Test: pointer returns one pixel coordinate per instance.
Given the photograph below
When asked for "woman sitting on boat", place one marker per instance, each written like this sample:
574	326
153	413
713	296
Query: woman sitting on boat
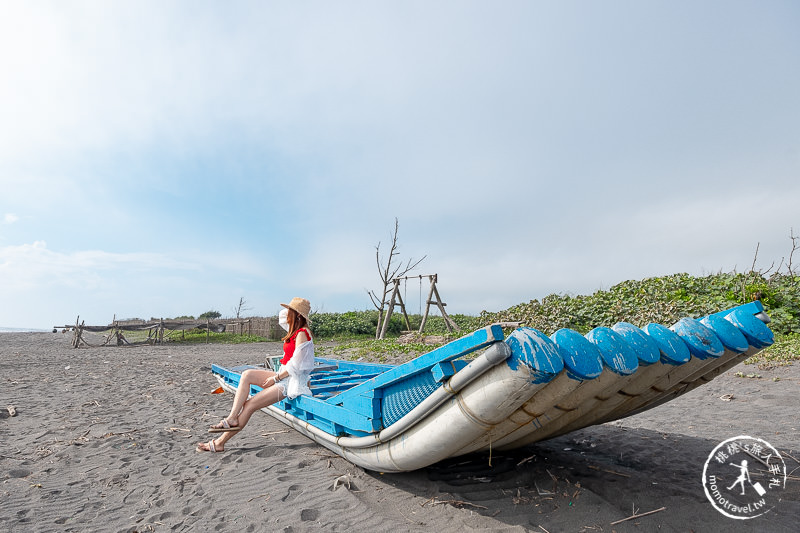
290	381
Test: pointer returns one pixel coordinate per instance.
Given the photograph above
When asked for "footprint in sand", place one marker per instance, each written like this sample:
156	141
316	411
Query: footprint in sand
294	491
307	515
19	472
304	463
266	452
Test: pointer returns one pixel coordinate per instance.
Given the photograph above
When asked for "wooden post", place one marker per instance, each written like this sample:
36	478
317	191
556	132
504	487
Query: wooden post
380	323
447	320
390	310
451	325
403	308
76	335
395	300
114	330
208	328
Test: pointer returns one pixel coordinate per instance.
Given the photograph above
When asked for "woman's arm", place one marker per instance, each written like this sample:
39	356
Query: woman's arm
301	338
272	380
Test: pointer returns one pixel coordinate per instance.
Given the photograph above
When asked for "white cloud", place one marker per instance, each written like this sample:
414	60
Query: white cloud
46	285
10	218
34	266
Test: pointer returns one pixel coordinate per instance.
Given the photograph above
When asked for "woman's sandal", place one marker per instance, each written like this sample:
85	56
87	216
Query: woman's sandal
223	427
211	447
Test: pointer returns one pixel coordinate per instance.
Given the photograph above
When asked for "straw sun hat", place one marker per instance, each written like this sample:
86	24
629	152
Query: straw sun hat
300	305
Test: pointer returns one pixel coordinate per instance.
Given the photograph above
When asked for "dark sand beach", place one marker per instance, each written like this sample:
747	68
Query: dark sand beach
104	440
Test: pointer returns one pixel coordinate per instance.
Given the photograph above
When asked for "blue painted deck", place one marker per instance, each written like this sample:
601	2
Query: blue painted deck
356	399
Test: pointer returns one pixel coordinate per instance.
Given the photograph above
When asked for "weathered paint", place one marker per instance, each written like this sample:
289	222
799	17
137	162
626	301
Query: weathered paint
702	342
537	352
753	308
673	350
755	331
617	354
581	358
728	334
646	349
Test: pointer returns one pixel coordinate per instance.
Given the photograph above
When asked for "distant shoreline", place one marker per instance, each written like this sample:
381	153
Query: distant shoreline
23	330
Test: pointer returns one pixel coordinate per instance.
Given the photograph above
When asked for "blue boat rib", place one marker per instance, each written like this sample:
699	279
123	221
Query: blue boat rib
582	359
618	355
672	348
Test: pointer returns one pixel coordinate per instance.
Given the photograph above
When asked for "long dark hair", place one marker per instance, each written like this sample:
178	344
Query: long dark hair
296	322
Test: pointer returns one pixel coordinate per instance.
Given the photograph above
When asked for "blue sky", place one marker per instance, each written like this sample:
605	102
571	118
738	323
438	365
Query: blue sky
160	159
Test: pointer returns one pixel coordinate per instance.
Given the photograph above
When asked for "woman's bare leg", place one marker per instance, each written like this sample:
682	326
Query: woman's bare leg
249	377
264	398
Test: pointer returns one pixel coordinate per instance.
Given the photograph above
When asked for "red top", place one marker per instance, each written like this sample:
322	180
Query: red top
289	344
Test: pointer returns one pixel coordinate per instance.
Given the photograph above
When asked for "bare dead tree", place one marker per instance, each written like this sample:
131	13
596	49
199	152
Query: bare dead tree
776	274
795	247
239	309
390	269
755	258
752	275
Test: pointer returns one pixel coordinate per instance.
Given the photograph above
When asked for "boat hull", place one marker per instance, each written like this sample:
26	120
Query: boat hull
517	391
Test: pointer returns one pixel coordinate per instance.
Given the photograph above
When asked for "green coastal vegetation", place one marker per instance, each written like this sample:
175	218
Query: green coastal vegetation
666	299
663	299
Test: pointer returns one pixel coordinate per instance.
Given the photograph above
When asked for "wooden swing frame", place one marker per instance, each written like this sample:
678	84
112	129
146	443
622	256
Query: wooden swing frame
397	300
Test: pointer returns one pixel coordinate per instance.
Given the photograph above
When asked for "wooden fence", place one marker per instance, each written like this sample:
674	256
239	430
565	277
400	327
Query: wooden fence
262	326
155	329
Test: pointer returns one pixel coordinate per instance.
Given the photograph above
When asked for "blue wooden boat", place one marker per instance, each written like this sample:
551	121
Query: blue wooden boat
486	391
